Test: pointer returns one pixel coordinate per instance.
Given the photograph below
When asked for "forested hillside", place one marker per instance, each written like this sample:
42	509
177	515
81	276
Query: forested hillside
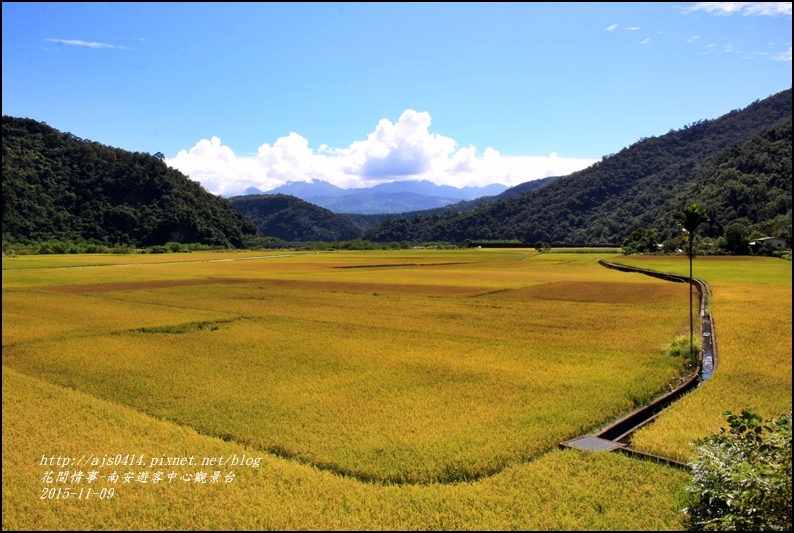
292	219
637	187
751	182
366	222
57	186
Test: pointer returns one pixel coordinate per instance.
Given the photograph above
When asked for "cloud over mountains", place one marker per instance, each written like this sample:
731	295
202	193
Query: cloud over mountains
405	150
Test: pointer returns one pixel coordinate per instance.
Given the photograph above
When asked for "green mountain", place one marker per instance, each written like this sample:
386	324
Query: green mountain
751	182
366	222
57	186
291	219
640	186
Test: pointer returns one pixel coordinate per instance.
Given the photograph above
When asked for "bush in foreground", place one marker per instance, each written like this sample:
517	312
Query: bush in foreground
742	476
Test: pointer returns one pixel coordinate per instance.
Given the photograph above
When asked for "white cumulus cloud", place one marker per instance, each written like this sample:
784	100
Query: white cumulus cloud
767	9
405	150
783	56
89	44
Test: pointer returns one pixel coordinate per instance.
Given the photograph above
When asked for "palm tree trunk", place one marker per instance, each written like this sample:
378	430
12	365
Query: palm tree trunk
691	319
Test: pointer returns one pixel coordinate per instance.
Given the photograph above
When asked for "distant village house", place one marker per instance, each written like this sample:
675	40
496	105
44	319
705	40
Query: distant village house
775	242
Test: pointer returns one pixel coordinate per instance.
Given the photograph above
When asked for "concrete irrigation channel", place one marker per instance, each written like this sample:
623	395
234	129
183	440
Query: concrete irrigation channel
616	436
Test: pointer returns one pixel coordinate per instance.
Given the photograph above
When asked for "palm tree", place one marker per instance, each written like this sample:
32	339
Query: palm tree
690	217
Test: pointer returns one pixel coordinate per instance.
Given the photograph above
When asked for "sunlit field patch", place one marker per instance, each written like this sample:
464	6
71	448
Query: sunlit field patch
606	292
562	490
84	260
86	288
399	368
30	315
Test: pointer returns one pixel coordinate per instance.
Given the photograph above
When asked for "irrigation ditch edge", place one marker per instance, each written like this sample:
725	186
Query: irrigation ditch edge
616	436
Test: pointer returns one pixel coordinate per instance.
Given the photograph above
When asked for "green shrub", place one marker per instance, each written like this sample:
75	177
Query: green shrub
742	476
196	247
93	248
641	241
680	347
122	249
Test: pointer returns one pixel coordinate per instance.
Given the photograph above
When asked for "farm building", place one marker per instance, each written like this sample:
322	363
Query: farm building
776	242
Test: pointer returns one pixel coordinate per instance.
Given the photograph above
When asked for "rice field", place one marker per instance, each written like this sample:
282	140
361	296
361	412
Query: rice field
379	390
751	305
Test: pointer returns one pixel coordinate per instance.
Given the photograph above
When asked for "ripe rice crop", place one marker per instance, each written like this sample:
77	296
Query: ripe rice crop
84	260
382	389
432	372
570	490
751	306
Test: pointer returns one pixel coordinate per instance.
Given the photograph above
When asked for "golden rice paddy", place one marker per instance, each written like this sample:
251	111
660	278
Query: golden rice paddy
388	390
751	305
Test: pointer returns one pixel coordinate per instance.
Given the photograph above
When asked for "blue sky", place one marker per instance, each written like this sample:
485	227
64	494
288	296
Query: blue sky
241	95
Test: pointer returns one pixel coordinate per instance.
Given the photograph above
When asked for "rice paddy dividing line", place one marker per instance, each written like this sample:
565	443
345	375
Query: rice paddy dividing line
186	328
616	436
751	307
390	265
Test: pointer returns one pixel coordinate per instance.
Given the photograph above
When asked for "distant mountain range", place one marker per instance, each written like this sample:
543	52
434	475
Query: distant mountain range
393	197
736	167
290	218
